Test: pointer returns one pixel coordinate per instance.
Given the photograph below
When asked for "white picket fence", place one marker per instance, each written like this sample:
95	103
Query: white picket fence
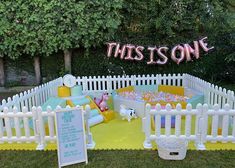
213	94
101	84
34	97
42	126
203	129
16	112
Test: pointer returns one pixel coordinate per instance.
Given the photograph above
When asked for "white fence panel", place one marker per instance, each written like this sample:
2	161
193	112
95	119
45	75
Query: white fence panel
202	124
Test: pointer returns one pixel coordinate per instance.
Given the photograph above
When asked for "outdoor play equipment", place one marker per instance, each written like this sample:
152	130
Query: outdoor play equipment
216	112
102	103
136	97
95	116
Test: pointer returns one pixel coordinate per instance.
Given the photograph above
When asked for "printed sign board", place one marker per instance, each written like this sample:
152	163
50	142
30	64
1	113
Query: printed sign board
71	142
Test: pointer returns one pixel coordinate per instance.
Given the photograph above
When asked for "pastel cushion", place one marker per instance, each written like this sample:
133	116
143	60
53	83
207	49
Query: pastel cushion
81	102
125	89
146	88
196	99
54	102
177	90
63	91
93	113
76	90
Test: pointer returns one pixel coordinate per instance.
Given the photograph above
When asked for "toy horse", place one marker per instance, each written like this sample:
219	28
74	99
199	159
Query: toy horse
102	103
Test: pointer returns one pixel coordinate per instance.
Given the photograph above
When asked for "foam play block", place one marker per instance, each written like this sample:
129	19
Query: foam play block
196	99
81	102
95	120
177	90
70	103
93	105
54	102
76	90
125	89
108	115
63	91
93	113
146	88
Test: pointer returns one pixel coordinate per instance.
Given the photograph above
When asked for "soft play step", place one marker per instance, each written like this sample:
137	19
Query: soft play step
93	113
81	102
95	120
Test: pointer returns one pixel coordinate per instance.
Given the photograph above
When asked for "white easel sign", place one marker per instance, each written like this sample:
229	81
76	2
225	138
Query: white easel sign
71	141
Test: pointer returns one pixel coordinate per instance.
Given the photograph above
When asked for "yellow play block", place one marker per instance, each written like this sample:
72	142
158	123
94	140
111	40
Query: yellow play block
63	91
70	103
125	89
177	90
108	115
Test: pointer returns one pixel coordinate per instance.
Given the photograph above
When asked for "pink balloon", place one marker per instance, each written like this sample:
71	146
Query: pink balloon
189	50
151	61
203	44
173	54
139	56
110	48
121	51
130	48
162	56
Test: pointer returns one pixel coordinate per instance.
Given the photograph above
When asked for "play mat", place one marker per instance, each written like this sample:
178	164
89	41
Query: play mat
108	128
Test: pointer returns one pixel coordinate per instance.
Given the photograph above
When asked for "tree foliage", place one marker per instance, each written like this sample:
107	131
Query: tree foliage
41	27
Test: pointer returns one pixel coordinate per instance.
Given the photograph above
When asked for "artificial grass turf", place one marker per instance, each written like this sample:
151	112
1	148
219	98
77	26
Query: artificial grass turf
119	158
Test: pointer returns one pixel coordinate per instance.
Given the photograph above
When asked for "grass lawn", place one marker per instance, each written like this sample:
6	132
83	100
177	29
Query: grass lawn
119	158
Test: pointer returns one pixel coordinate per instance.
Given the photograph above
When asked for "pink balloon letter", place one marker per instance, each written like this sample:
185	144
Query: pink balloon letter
130	48
121	51
139	53
173	54
164	57
204	45
189	50
151	61
110	48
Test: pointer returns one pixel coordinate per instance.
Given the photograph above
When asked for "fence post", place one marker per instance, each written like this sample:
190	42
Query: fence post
225	122
35	125
184	82
147	127
133	80
84	84
204	125
40	125
109	84
90	142
199	128
7	124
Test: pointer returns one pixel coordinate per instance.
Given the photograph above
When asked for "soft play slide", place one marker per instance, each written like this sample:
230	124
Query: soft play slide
95	116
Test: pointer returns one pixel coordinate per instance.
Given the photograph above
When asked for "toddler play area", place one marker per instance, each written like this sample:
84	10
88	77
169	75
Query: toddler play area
123	112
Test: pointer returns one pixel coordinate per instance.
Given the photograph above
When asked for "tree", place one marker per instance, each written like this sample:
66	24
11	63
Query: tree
39	28
2	74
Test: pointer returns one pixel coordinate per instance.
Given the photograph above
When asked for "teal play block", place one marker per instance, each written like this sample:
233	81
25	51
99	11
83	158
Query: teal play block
76	90
93	113
146	88
81	102
195	100
54	102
